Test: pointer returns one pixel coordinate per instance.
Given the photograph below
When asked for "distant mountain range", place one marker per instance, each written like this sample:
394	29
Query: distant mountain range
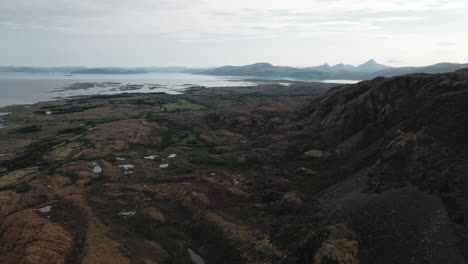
99	70
25	69
365	71
266	70
436	68
138	70
369	66
108	71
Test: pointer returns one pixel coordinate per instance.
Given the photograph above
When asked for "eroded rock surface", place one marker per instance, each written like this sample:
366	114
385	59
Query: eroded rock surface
27	238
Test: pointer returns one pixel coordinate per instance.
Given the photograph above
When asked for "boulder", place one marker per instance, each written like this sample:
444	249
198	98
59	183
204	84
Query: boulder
316	154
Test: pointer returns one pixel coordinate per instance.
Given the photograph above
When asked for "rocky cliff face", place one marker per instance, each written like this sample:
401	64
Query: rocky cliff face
407	138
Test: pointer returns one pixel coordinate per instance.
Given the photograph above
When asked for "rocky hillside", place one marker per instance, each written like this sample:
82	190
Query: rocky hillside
407	201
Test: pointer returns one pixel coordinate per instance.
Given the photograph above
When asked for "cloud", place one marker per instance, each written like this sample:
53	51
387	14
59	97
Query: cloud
208	16
395	19
207	32
447	43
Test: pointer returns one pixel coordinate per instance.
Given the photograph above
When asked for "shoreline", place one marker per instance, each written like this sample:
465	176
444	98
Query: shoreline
26	89
188	91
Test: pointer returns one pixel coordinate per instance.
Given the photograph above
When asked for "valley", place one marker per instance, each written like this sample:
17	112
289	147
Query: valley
373	172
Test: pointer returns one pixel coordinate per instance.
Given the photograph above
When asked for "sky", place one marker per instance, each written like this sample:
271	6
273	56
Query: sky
204	33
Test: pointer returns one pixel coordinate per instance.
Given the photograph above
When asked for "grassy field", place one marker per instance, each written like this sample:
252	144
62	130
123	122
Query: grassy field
130	98
42	130
51	129
183	104
190	140
164	102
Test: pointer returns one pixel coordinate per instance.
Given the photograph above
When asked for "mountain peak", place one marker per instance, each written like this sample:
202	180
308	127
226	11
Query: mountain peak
371	61
262	64
371	66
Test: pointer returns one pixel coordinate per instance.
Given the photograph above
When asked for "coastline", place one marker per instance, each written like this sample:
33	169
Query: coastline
26	89
31	88
118	89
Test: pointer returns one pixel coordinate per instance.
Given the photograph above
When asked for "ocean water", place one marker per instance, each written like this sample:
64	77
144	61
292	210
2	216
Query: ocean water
29	88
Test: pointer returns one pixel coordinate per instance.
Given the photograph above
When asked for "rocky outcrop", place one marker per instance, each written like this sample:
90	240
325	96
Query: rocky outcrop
337	251
317	154
399	132
124	133
27	238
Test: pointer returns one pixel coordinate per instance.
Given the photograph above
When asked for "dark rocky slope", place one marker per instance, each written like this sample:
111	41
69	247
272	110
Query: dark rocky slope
407	140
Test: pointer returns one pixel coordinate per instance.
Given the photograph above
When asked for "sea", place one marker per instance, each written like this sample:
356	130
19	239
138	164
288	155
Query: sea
29	88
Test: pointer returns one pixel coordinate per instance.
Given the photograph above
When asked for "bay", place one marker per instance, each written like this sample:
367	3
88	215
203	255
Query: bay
29	88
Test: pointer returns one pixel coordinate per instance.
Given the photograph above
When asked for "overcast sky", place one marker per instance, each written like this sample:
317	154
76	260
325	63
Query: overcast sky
231	32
